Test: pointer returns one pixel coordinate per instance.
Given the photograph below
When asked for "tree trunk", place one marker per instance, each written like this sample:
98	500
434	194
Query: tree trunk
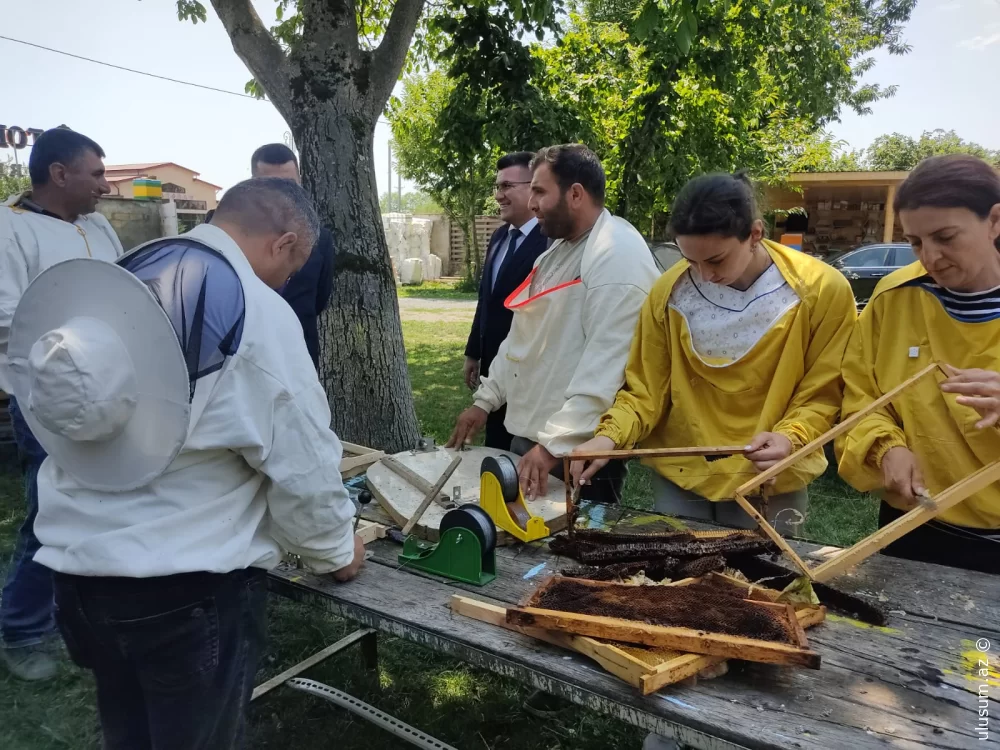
362	357
475	257
331	92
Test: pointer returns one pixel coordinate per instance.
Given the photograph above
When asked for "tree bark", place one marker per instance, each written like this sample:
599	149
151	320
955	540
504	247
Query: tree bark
363	360
331	93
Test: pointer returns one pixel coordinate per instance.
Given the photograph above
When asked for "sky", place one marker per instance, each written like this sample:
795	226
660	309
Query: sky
948	81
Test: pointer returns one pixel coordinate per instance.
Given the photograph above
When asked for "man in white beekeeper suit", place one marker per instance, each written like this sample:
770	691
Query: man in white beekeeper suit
189	443
54	221
563	361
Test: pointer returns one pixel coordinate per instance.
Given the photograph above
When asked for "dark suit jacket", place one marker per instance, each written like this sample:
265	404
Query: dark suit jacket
308	291
492	321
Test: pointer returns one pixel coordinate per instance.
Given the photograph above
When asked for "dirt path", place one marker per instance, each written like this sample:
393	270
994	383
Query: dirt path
437	310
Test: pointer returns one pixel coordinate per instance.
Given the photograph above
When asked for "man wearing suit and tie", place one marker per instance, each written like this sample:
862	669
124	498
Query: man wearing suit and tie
510	256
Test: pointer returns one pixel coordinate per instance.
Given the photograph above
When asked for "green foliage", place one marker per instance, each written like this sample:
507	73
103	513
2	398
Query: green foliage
597	69
414	203
740	85
495	98
662	90
481	101
13	179
887	153
819	152
898	152
191	10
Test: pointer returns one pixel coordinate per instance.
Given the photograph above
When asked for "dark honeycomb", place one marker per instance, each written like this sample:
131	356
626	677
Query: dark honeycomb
657	546
700	566
656	570
699	606
598	536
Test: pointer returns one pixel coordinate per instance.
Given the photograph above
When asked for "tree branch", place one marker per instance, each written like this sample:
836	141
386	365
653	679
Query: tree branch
258	50
388	58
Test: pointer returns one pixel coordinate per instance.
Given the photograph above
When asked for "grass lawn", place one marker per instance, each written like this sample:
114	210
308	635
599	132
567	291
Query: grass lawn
436	290
460	705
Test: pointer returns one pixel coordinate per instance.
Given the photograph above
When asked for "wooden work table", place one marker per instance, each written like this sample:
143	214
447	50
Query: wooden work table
913	684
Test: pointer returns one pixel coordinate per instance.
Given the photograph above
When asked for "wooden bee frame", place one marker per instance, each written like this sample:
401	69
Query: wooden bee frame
357	459
848	558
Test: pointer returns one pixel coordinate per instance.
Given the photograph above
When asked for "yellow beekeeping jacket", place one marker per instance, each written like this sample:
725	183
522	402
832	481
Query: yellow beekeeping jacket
904	329
788	382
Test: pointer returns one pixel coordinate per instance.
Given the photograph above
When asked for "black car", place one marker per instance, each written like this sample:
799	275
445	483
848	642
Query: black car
665	254
865	266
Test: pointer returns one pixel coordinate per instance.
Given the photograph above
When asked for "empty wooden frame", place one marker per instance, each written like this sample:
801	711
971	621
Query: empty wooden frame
357	459
885	536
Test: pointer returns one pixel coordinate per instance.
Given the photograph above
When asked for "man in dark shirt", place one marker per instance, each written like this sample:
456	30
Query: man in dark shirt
308	291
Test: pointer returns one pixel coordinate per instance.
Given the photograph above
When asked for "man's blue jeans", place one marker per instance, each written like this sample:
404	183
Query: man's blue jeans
27	606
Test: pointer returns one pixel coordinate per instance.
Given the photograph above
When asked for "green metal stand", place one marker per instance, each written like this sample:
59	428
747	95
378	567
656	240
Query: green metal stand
458	555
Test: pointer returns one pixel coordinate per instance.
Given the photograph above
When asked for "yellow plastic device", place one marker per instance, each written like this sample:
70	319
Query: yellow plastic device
500	496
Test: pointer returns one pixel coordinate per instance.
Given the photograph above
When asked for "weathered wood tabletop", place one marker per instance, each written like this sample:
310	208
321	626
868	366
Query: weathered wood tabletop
914	684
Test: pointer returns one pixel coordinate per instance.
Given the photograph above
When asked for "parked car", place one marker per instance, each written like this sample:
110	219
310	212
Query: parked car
665	254
864	266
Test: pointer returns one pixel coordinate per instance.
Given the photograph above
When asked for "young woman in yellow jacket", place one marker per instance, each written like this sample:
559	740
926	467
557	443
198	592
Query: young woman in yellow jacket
738	344
944	308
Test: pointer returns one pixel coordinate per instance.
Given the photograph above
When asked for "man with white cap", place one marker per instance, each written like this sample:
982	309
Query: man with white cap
189	443
54	221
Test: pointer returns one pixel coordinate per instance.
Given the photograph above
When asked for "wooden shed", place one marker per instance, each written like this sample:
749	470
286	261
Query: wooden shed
844	209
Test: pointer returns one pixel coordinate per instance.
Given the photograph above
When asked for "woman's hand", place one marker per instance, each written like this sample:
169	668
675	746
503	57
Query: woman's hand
582	471
979	389
901	476
767	448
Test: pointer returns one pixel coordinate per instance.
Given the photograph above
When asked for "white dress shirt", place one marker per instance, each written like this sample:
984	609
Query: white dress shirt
525	230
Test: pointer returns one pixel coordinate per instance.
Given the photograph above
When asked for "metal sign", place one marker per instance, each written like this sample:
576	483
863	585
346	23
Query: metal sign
18	138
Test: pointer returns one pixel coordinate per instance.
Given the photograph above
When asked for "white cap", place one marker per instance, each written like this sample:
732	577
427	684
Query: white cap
99	373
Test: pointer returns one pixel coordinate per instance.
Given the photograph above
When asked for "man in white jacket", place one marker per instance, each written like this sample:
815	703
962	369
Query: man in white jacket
54	221
160	550
574	317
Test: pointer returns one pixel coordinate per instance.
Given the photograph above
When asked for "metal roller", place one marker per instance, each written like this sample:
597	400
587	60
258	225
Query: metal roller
504	469
473	518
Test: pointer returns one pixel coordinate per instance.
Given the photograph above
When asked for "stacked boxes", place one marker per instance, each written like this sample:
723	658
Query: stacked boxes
144	189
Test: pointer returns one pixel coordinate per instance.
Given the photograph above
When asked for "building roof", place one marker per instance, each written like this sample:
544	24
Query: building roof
126	172
139	167
847	178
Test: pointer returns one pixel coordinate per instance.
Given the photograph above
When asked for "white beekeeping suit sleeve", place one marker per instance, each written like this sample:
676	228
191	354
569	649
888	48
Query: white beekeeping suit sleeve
492	391
311	514
609	321
14	279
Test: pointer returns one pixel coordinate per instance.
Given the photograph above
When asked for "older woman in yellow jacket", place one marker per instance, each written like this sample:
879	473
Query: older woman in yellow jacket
944	308
738	344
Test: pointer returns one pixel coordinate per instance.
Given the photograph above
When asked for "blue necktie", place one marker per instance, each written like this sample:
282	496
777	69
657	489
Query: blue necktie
511	247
